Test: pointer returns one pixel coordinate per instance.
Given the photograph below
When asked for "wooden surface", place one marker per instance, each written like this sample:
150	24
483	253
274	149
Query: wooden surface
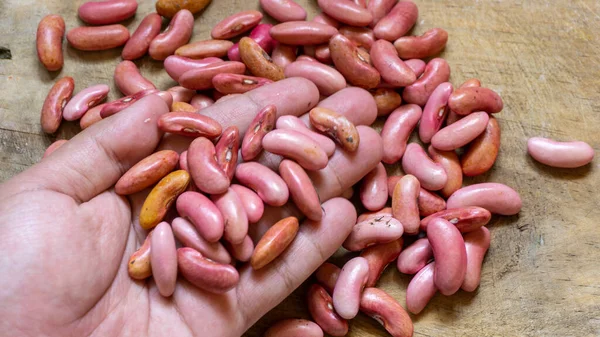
541	276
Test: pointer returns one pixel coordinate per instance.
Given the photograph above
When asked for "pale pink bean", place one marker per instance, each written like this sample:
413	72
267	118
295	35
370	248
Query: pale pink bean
327	79
347	12
374	189
379	9
349	287
301	189
396	131
176	35
416	162
461	132
206	274
253	204
294	328
266	183
202	213
190	124
261	35
283	10
129	80
421	289
397	22
201	78
186	233
284	54
392	69
163	258
236	24
559	154
85	99
178	65
436	72
98	38
297	146
241	251
302	32
450	255
496	198
53	147
414	257
431	43
435	112
295	123
476	244
205	171
234	216
405	207
237	83
373	231
106	12
200	101
356	104
417	66
137	46
328	20
181	94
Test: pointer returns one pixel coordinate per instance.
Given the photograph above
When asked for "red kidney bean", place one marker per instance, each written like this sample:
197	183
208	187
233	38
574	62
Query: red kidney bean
372	231
320	306
262	124
451	164
203	213
52	110
302	32
429	203
460	133
397	130
379	9
327	275
429	44
384	309
176	35
236	24
401	18
477	243
204	48
392	69
253	204
415	257
129	80
295	123
450	255
122	103
284	54
177	65
417	65
348	288
387	100
206	274
260	34
107	12
204	169
301	189
355	68
227	149
560	154
201	78
50	32
200	101
294	328
147	172
483	151
237	84
266	183
190	124
297	146
187	234
467	100
421	289
436	72
91	116
241	251
362	36
283	10
496	198
85	99
416	162
98	38
466	219
53	147
163	258
404	203
234	216
373	190
327	79
379	256
347	12
435	112
274	242
137	46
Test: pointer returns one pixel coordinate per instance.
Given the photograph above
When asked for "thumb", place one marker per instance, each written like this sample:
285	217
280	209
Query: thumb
96	158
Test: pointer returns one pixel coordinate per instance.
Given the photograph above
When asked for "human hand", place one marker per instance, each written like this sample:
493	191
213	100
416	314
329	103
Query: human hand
66	236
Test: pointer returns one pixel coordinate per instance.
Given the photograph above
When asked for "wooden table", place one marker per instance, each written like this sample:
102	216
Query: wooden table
541	276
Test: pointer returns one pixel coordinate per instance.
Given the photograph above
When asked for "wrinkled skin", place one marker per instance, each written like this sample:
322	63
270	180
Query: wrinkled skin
66	236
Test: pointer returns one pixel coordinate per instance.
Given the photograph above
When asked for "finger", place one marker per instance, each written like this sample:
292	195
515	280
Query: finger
260	291
96	158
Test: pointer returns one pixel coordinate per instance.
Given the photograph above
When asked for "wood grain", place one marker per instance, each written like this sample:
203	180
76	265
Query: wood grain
541	274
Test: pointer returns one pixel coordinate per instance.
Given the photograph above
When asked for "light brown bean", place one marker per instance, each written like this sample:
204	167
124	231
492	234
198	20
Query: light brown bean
337	126
205	48
379	256
483	151
431	43
168	8
50	32
139	266
274	242
284	54
387	100
161	198
451	164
